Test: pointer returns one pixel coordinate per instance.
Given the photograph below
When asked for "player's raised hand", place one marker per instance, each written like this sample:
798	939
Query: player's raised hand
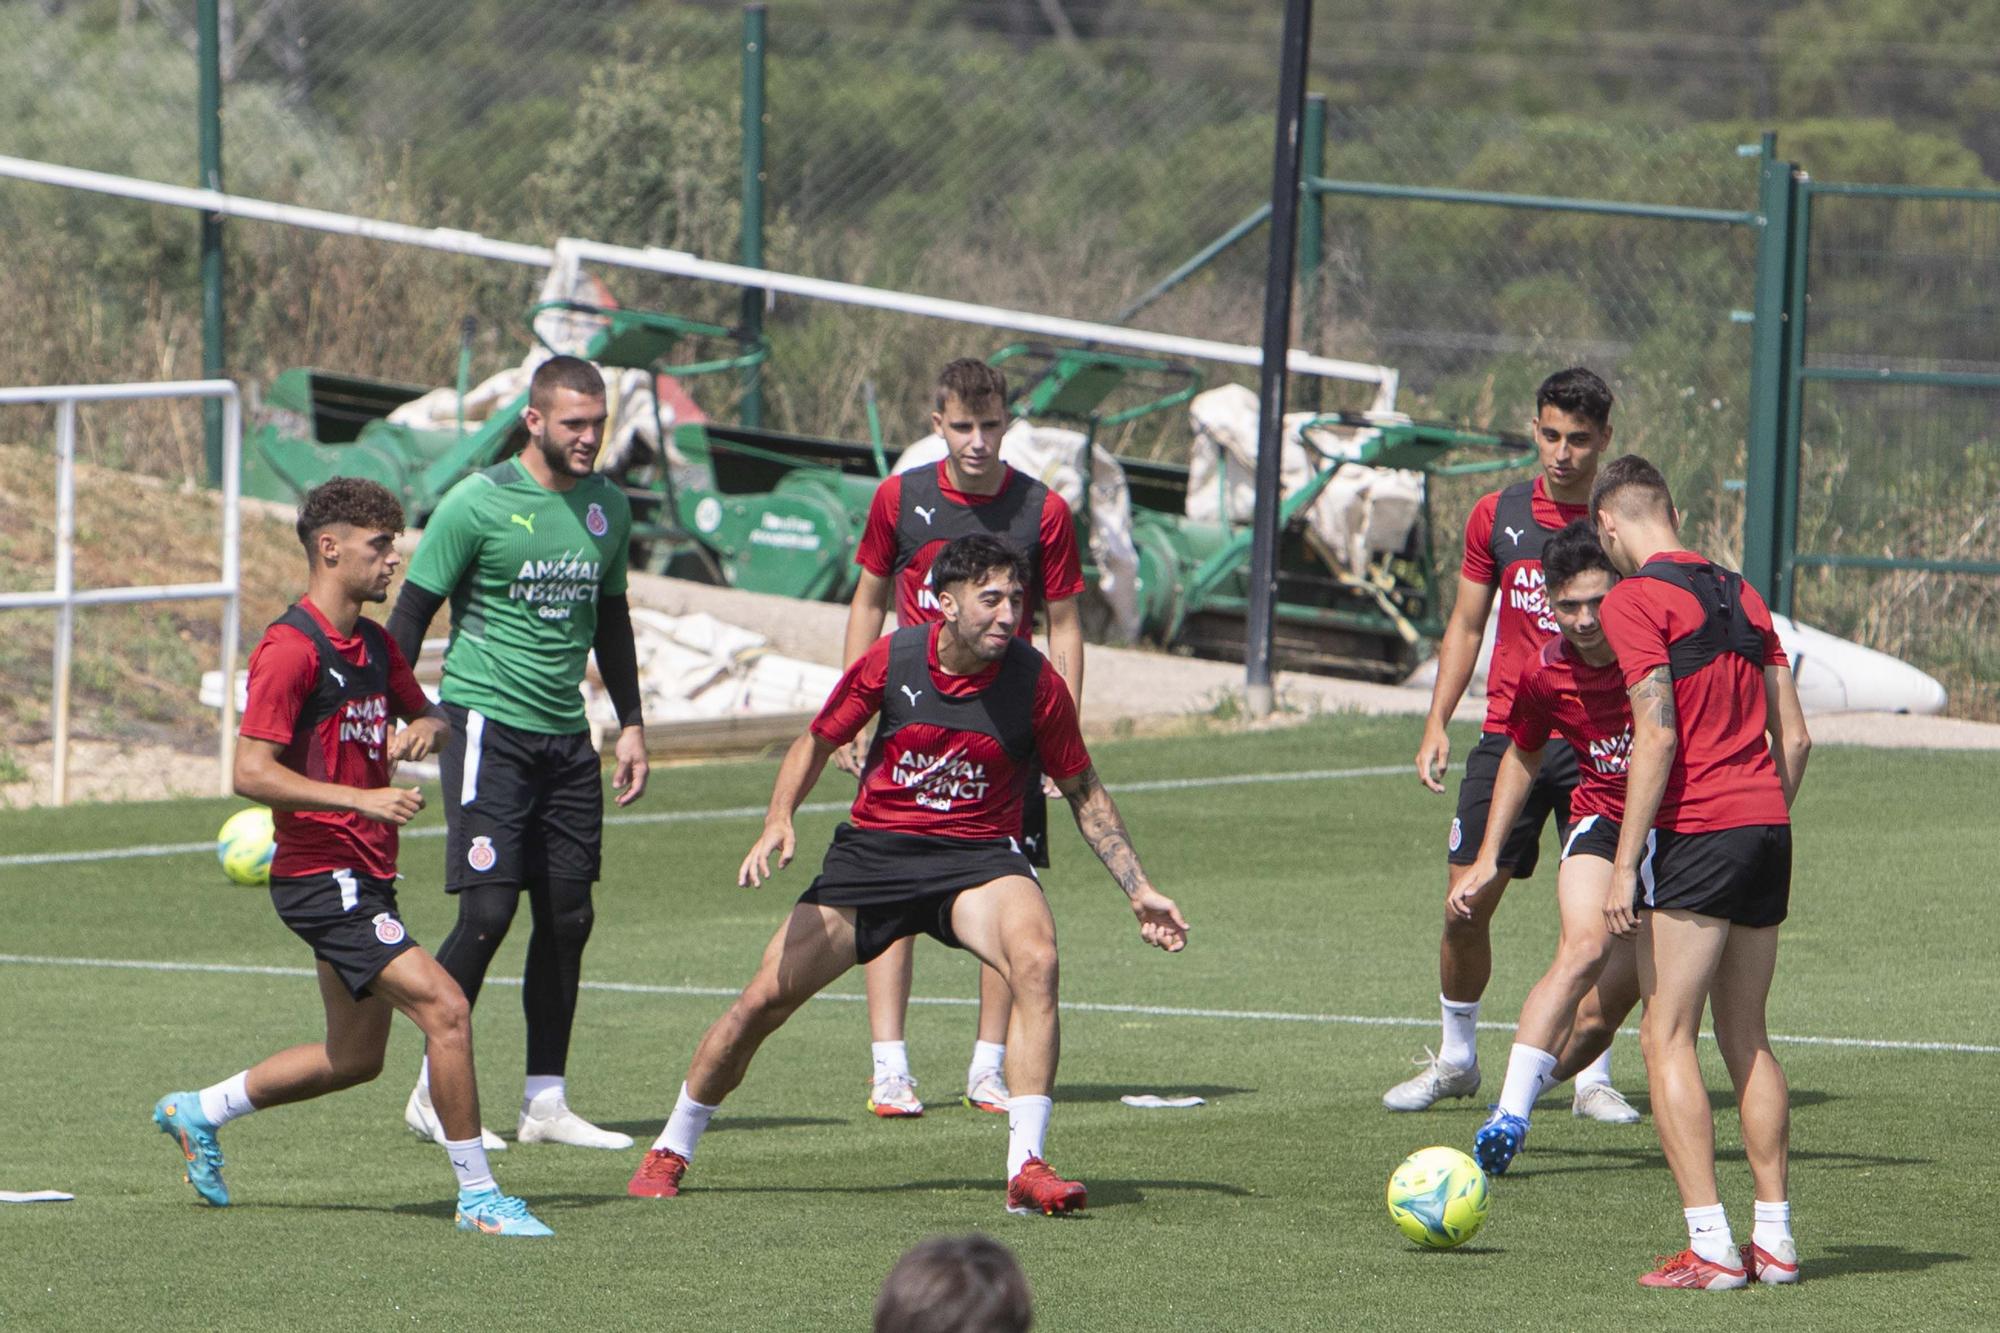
629	778
1160	922
756	866
1434	757
419	740
1620	918
1471	889
389	805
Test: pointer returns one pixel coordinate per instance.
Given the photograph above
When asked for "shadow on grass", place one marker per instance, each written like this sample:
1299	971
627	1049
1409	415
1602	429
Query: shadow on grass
1104	1192
1719	1099
647	1130
1649	1157
1845	1260
1111	1092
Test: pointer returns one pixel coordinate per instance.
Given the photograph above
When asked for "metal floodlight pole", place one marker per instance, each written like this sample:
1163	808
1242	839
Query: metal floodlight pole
750	411
1285	161
208	56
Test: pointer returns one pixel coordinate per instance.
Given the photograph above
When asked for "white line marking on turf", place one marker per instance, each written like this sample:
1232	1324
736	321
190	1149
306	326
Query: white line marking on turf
1075	1006
733	812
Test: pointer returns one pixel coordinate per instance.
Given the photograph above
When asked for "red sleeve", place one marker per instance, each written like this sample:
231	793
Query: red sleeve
1528	720
1057	741
282	671
856	698
1760	616
406	697
877	551
1478	564
1636	628
1062	570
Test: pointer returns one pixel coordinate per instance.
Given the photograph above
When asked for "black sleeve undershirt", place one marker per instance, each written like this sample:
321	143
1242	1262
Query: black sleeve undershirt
415	608
618	659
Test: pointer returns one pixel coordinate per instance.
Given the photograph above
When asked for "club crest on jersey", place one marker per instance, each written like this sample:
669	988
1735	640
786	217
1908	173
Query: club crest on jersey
388	929
480	855
594	519
1457	834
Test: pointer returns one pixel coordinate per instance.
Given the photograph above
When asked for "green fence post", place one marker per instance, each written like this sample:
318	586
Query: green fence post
750	412
208	57
1312	234
1762	492
1789	440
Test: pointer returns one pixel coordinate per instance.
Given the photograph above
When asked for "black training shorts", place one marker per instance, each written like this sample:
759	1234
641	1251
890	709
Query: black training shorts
1743	875
1549	795
1592	835
519	806
906	883
349	920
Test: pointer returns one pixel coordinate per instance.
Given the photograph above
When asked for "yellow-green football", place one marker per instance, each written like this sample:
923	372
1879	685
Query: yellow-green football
245	846
1438	1197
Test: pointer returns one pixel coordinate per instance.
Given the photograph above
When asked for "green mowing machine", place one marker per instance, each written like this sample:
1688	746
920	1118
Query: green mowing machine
779	513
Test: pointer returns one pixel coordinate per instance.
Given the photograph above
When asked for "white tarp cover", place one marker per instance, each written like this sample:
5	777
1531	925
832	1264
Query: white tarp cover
695	666
1363	511
1054	457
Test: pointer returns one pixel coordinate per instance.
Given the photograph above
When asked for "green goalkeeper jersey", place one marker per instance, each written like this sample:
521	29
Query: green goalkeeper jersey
523	566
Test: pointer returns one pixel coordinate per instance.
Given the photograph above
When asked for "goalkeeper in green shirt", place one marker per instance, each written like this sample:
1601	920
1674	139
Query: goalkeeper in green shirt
532	555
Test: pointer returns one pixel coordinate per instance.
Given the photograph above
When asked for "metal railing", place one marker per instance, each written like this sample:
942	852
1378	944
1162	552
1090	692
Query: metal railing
66	597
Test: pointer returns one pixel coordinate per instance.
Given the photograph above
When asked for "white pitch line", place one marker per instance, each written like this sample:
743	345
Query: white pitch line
1074	1006
704	816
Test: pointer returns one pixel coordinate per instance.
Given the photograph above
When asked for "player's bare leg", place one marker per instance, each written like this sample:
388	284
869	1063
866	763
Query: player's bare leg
1550	1014
417	984
887	978
1763	1099
1007	925
1603	1007
813	946
1679	954
1465	964
357	1034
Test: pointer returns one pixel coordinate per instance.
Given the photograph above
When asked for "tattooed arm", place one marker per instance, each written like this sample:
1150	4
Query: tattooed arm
1097	818
1655	738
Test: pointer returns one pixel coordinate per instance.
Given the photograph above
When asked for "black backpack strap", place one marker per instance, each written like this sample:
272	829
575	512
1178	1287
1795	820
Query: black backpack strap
1725	626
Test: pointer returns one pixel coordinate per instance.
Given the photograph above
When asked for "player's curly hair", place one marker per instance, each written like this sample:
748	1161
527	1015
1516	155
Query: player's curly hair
351	500
956	1284
974	556
1573	551
972	382
1579	392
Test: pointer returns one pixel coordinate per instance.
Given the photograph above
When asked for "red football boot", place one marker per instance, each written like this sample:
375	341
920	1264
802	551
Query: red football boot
1037	1189
1769	1268
1688	1269
658	1176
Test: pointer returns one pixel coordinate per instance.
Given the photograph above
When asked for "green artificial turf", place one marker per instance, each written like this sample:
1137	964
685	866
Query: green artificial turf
1315	905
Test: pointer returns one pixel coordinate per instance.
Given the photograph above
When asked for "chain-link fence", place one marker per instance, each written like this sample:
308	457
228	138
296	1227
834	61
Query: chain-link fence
1057	177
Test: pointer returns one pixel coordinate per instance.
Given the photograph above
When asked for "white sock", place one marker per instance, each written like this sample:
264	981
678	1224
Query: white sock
1708	1236
1027	1126
537	1084
1527	1074
468	1159
1599	1072
424	1080
685	1125
1461	1028
988	1057
892	1059
226	1100
1774	1229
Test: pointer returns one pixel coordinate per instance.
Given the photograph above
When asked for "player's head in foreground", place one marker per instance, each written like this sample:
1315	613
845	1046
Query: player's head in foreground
349	528
1578	574
980	585
970	415
565	415
1572	430
1634	512
956	1284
